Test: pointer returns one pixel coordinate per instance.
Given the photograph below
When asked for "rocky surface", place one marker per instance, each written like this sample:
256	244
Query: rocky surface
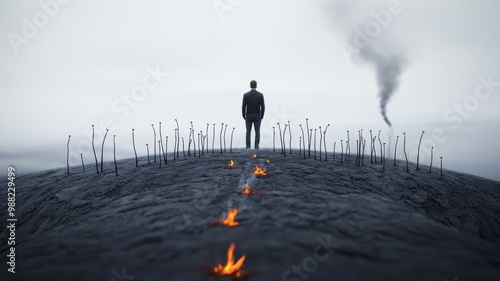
310	220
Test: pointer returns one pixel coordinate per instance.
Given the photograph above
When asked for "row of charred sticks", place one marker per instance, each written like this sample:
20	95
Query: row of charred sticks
200	143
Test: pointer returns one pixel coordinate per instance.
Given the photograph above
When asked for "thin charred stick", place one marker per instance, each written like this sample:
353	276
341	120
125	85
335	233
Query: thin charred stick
207	136
178	138
396	150
220	137
348	155
154	144
314	146
363	156
324	142
347	148
320	143
135	151
114	155
213	140
159	155
308	137
147	150
303	141
357	152
310	140
83	164
374	150
231	144
204	137
432	156
199	145
175	143
383	159
67	155
300	146
342	151
284	142
441	166
418	150
93	148
189	142
290	140
371	147
380	141
225	129
162	151
274	140
194	141
281	137
404	149
102	148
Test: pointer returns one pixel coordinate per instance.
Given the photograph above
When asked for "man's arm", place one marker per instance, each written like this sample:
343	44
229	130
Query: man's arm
262	108
244	107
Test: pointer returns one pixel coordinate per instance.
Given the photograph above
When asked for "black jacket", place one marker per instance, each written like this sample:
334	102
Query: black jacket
253	104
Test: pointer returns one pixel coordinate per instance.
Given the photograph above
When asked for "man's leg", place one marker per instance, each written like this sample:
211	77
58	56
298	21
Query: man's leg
248	124
257	132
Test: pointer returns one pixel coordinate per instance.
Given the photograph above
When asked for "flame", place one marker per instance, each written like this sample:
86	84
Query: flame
254	156
259	172
247	191
229	220
231	163
231	268
268	161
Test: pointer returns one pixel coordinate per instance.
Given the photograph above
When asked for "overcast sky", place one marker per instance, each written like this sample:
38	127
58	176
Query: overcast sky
65	65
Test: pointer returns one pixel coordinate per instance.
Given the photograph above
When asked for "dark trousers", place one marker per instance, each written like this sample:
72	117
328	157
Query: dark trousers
255	121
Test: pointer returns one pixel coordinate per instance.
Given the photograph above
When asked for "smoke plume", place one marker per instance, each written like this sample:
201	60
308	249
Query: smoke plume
388	66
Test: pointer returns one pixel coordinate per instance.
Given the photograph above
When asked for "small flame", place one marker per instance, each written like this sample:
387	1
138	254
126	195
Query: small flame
259	172
229	220
268	161
231	268
255	156
247	190
231	163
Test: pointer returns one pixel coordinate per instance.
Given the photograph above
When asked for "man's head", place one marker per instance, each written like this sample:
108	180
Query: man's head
253	84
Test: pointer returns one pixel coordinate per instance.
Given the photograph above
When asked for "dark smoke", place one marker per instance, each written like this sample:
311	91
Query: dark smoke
388	66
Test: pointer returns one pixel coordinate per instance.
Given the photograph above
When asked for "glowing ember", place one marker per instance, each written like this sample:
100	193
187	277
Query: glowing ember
268	161
231	163
247	190
254	156
231	269
259	172
229	220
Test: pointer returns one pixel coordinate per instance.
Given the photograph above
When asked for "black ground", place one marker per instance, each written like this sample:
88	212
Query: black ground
155	224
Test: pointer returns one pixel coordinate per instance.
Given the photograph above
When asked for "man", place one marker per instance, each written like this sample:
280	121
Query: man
253	112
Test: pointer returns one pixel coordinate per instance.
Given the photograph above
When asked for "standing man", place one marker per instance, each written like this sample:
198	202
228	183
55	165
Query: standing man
253	112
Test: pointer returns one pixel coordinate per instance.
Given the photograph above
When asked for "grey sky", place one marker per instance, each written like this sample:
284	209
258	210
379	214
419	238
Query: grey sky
79	68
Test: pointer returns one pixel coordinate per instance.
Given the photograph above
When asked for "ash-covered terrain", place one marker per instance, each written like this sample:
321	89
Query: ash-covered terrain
310	220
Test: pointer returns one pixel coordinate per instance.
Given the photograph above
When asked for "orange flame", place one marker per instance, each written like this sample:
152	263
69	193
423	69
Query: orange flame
259	172
229	220
254	156
231	163
247	190
231	268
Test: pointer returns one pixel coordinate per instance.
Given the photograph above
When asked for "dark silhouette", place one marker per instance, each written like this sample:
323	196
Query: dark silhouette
253	112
